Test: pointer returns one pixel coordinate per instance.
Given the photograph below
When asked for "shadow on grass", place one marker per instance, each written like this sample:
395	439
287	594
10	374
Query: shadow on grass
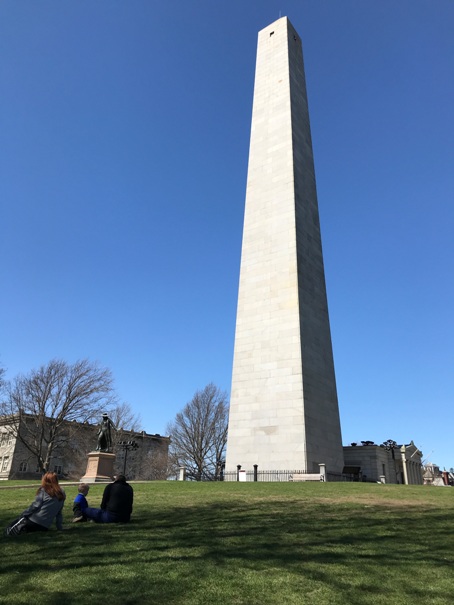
242	551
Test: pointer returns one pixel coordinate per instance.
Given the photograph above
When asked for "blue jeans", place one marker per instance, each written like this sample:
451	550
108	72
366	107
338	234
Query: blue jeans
99	516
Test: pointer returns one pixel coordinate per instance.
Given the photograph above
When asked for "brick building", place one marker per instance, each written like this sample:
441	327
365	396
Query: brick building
69	458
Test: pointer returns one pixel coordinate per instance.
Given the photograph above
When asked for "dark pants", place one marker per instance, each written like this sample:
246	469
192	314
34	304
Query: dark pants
25	527
100	516
34	527
77	513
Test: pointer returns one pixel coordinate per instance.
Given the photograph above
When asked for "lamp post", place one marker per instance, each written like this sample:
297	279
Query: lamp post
126	446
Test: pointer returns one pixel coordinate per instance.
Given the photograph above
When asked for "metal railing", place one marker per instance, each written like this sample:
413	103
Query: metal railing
285	475
262	475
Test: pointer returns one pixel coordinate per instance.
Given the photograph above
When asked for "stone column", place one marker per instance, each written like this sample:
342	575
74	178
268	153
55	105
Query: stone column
404	464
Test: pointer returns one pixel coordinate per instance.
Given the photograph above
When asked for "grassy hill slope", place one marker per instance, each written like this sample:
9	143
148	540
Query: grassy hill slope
241	543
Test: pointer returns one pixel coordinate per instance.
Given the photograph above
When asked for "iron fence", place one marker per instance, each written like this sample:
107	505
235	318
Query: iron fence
262	475
286	476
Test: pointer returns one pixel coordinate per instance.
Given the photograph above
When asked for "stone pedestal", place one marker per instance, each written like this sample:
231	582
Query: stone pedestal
99	467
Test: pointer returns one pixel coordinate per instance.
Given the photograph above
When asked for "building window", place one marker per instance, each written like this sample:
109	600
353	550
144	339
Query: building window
10	439
3	439
23	467
58	469
5	463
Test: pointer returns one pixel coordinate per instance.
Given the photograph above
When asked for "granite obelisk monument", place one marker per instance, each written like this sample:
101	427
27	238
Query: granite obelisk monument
284	411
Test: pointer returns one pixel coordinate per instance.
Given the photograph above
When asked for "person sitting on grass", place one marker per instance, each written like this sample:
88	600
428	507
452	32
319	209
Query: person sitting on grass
46	507
80	503
116	505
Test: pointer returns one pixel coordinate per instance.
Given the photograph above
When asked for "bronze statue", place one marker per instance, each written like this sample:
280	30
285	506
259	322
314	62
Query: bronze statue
105	434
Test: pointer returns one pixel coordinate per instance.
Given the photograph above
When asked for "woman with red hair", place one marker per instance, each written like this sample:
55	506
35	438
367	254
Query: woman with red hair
46	507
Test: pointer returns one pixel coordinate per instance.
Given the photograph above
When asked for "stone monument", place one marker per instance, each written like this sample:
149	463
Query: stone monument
100	462
284	411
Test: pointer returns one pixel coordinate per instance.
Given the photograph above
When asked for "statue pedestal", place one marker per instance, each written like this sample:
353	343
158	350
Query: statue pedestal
99	467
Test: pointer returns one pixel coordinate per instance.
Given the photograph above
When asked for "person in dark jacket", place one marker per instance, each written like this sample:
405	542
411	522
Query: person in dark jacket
116	505
46	507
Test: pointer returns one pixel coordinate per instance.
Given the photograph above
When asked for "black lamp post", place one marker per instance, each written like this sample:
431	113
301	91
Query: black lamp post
126	446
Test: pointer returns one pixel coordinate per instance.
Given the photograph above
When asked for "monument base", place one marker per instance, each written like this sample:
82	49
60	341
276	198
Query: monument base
99	467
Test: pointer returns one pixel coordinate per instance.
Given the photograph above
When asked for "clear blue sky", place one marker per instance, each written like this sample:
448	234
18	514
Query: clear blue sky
123	157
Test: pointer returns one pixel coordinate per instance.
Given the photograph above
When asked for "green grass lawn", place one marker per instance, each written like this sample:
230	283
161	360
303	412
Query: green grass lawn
241	543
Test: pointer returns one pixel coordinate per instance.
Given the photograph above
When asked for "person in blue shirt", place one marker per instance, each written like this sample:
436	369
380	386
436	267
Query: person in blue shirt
80	503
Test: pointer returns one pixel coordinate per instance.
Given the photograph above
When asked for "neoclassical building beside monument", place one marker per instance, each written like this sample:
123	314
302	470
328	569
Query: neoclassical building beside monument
372	462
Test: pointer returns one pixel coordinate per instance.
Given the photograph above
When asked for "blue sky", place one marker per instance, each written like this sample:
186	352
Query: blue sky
124	132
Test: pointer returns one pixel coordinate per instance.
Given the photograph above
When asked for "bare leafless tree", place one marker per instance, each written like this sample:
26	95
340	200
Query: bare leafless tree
42	404
156	465
124	418
127	423
2	381
199	434
145	464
